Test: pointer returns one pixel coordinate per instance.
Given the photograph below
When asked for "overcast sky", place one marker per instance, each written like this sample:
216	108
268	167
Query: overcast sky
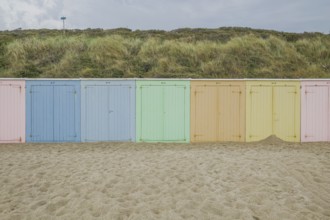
282	15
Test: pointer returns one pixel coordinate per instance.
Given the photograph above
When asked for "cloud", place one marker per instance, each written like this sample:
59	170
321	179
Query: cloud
29	14
283	15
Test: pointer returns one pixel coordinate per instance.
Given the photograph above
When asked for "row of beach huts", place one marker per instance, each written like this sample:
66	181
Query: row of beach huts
163	110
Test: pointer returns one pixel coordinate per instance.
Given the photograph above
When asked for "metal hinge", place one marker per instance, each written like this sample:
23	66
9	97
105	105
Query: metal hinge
197	135
294	136
195	92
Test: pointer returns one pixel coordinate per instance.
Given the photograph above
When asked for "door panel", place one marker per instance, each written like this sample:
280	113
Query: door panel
174	113
119	113
42	113
96	113
64	113
11	117
229	113
152	120
205	126
316	113
284	118
328	115
260	126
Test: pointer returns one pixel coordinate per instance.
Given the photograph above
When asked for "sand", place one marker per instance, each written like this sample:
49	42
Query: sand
265	180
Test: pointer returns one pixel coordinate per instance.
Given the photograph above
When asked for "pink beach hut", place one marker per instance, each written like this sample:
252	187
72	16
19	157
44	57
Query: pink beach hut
12	111
315	110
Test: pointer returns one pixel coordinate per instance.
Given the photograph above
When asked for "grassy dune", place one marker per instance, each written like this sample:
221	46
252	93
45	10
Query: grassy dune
195	53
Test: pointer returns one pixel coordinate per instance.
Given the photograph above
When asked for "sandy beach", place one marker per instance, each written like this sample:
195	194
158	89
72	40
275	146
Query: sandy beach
265	180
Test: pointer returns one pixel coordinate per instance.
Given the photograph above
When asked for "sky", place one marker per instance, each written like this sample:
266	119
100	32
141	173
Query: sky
281	15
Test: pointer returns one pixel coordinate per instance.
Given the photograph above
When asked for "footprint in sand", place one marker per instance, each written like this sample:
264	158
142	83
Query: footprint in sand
44	187
38	204
15	217
317	180
52	207
214	209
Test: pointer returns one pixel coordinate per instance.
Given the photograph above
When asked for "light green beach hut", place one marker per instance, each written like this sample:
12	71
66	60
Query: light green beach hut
163	111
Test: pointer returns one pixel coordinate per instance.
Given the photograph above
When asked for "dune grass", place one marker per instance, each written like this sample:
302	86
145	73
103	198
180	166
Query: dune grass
195	53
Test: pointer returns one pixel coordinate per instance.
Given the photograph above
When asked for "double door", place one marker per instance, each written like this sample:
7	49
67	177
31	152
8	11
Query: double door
53	113
108	113
273	110
164	113
217	113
